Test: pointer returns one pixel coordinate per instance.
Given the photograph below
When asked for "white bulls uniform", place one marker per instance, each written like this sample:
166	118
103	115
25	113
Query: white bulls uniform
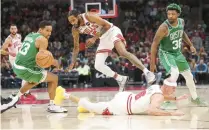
14	47
123	103
107	40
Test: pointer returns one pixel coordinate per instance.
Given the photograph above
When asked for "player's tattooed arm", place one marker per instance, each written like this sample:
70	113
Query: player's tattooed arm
154	108
75	33
160	34
5	46
98	20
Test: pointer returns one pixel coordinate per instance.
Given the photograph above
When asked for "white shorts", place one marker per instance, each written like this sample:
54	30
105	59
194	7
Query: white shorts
120	104
109	38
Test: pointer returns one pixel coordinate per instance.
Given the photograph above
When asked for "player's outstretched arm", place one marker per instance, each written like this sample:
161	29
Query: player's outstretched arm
5	46
154	108
76	35
161	32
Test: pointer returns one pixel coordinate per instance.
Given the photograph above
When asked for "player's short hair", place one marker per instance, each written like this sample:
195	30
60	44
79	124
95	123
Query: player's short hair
174	6
74	13
44	23
13	24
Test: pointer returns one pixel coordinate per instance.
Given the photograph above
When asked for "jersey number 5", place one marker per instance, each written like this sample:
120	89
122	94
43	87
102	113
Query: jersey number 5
25	48
177	44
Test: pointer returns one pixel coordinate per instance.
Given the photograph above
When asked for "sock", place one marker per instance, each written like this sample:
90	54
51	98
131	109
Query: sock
118	77
145	70
19	94
190	83
51	102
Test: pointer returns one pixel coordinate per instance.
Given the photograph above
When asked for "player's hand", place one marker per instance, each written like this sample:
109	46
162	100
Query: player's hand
70	67
177	113
153	68
90	42
56	63
185	96
193	50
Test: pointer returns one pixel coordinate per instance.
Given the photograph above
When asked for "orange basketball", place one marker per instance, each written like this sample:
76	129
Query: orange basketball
44	59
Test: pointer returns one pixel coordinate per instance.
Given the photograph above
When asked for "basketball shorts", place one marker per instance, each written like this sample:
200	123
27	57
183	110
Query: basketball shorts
109	38
31	75
176	60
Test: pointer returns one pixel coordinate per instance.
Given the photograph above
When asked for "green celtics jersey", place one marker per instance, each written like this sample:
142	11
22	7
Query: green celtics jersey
27	54
173	41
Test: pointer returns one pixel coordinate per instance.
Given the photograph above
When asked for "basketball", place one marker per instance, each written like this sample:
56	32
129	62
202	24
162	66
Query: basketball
44	59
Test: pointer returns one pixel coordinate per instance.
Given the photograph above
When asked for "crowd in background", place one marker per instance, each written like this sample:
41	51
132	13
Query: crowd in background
138	26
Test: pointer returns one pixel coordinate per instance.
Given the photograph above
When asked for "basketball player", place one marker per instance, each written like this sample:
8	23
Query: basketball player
25	66
145	102
169	36
110	36
13	44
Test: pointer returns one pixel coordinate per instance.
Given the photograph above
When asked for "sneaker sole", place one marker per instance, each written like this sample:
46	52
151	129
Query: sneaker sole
152	81
2	111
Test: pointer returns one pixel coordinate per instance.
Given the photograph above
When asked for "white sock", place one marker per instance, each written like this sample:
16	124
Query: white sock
145	70
51	102
119	77
19	94
190	83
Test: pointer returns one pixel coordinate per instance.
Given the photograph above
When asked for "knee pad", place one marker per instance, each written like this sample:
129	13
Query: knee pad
174	73
187	75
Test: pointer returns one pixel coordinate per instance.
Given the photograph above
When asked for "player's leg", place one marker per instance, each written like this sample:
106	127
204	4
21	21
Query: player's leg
103	68
187	74
119	44
169	63
84	105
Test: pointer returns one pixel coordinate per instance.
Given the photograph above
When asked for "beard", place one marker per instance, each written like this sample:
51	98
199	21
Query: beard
13	33
77	25
171	21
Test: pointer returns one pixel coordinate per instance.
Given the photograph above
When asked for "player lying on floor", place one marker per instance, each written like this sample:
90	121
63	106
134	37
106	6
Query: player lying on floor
145	102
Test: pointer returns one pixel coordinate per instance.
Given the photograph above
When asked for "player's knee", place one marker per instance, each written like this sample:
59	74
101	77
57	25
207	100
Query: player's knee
187	75
124	53
174	74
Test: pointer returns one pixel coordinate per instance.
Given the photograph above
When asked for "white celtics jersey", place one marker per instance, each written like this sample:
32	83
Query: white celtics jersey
14	46
141	101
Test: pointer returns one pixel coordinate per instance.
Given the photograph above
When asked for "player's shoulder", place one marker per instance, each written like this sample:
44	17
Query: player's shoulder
19	36
163	26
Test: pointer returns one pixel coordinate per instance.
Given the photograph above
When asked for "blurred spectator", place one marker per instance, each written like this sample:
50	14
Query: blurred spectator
201	71
84	73
202	54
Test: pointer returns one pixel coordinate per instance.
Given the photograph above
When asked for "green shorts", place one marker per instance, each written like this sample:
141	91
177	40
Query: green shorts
31	75
176	60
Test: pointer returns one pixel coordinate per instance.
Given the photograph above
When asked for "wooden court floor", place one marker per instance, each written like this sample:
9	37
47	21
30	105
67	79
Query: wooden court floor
34	116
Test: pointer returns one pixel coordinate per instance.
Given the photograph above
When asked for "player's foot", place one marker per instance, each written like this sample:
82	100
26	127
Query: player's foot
27	97
82	110
150	77
198	101
122	83
169	106
7	103
60	91
52	108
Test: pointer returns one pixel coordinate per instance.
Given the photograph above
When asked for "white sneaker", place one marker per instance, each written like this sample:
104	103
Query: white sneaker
122	83
150	77
8	103
52	108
